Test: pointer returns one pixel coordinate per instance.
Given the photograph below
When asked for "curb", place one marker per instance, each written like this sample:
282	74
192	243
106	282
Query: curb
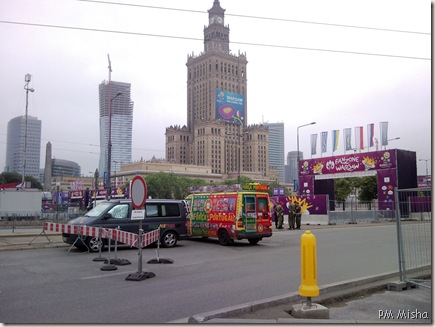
327	293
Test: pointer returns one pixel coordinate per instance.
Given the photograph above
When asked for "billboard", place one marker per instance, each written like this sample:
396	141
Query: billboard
349	163
230	107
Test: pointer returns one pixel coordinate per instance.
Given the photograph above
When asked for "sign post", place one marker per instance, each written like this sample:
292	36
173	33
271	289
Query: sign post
138	195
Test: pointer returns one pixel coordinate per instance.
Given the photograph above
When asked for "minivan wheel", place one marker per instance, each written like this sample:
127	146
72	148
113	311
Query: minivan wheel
254	241
169	239
93	244
224	238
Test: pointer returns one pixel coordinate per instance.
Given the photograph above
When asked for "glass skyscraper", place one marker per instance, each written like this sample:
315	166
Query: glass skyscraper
17	140
276	148
121	124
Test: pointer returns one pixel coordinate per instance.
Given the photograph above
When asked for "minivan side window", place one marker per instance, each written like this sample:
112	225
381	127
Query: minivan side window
152	210
119	211
170	210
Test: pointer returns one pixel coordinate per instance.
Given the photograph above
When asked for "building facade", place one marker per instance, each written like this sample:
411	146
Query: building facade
23	148
217	133
291	168
117	95
276	149
61	167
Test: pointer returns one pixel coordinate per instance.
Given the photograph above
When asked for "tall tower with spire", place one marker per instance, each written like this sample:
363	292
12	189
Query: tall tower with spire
217	133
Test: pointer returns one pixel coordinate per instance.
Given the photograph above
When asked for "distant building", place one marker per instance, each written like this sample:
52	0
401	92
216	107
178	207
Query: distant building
276	149
291	169
60	167
217	134
121	124
22	141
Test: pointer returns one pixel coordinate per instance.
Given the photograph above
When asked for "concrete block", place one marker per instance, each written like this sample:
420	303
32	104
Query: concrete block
399	286
315	311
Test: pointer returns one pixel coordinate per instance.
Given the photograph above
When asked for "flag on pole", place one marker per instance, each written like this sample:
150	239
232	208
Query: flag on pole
335	136
359	137
371	135
324	141
384	132
313	143
348	139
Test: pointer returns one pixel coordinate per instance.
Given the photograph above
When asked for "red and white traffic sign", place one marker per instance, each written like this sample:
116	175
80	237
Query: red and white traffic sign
138	192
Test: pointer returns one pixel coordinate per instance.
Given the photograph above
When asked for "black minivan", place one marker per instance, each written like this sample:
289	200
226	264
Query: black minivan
169	215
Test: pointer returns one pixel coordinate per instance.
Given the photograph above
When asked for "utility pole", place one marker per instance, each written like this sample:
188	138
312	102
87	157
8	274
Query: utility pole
109	145
27	79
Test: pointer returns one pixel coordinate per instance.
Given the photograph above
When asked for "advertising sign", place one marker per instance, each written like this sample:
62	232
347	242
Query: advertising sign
230	107
349	163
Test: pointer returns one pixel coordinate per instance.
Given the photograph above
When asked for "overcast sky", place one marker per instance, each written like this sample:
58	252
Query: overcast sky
308	66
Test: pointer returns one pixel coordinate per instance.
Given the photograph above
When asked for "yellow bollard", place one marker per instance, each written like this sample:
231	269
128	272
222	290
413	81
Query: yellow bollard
309	286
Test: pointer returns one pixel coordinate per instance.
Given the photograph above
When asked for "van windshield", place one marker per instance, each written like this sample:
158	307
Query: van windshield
99	209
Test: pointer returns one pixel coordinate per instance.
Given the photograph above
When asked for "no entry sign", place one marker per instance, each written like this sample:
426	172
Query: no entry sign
138	192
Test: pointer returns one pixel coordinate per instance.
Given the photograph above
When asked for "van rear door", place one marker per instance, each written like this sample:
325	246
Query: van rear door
250	213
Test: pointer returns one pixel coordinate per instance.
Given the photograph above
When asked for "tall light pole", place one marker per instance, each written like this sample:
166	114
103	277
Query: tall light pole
299	186
96	175
27	79
109	148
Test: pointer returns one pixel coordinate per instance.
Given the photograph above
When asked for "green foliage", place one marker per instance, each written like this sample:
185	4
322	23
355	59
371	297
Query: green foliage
6	178
343	187
368	188
11	177
169	186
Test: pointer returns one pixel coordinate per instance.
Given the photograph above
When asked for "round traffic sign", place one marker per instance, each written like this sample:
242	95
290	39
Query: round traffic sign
138	192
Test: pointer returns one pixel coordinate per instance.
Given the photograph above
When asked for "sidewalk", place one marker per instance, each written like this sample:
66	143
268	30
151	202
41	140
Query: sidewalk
355	301
27	239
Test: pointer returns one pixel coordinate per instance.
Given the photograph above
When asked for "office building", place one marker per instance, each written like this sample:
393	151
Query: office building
23	148
291	168
276	149
217	133
121	108
67	168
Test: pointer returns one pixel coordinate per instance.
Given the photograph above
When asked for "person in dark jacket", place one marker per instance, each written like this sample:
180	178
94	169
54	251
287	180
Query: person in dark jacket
298	215
279	211
291	215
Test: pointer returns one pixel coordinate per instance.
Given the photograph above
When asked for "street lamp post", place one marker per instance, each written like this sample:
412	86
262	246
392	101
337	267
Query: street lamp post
299	187
27	79
96	175
396	138
109	148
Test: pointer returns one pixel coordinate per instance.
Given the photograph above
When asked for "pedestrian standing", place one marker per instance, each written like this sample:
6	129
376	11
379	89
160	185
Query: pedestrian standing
298	215
275	217
279	214
291	215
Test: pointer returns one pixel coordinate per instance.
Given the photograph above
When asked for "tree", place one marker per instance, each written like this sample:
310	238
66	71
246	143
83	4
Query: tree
169	186
343	188
6	178
368	189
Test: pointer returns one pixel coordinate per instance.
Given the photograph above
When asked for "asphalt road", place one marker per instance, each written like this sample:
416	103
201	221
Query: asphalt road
54	286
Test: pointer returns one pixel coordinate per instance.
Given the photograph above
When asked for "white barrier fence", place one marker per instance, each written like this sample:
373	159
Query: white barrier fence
128	238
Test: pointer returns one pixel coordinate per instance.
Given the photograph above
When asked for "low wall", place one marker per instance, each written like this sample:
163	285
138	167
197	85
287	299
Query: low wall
315	220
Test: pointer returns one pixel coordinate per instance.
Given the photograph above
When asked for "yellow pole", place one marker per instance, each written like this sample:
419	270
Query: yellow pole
309	286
